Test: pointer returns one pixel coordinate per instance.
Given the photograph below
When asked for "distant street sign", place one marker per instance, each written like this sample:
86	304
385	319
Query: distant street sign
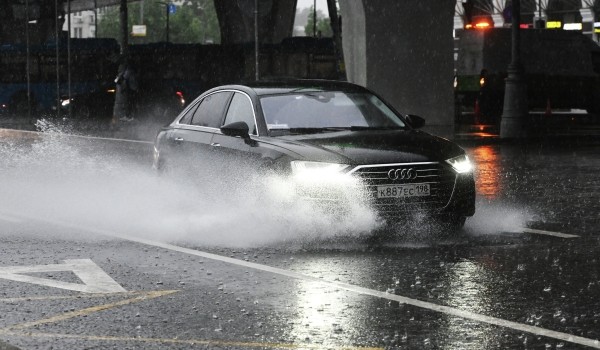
554	24
172	8
138	30
573	26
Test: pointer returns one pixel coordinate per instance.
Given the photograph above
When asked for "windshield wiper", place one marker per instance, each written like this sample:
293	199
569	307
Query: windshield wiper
358	128
311	89
315	130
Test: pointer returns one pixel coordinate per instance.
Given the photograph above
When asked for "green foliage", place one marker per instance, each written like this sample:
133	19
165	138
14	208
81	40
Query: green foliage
195	21
323	24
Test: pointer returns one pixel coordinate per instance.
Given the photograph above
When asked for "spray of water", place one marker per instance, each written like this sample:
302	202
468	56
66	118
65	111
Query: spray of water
494	217
110	186
87	183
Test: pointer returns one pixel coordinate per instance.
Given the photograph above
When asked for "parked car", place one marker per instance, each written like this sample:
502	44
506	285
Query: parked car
152	102
320	134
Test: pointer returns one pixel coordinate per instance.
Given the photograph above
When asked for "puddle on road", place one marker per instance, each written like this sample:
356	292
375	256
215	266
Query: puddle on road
78	182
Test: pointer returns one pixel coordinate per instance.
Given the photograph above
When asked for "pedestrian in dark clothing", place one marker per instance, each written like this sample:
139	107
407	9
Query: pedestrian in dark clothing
126	89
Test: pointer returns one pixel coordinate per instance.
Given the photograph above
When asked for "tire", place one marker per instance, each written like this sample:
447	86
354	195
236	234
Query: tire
160	166
450	225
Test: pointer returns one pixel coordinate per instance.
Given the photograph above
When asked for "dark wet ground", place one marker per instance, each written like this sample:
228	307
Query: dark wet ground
492	268
555	179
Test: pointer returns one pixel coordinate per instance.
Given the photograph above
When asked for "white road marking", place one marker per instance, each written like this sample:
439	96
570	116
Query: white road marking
77	136
94	279
549	233
108	139
594	343
10	219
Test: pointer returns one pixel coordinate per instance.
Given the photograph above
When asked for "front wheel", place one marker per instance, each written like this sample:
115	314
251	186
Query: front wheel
159	165
451	224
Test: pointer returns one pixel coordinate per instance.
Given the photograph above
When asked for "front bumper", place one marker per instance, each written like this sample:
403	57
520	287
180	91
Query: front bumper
452	194
462	201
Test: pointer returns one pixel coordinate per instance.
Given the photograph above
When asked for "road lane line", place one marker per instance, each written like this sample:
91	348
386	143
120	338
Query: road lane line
107	139
67	297
202	342
549	233
94	279
10	219
38	133
68	315
594	343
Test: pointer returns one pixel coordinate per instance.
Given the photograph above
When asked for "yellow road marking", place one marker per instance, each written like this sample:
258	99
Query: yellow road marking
66	297
22	329
90	310
202	342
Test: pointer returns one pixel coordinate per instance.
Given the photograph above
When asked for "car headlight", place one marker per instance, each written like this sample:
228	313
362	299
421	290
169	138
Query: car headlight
300	167
461	164
318	173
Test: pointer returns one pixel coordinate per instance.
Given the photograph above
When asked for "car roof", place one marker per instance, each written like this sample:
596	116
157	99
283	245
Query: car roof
273	87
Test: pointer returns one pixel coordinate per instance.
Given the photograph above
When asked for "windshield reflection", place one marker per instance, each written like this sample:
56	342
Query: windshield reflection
327	109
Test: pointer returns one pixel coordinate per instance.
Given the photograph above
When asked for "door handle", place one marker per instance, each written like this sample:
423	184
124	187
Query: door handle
179	139
215	144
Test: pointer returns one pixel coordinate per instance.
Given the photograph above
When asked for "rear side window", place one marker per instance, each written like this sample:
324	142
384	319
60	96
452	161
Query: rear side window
211	109
240	110
187	118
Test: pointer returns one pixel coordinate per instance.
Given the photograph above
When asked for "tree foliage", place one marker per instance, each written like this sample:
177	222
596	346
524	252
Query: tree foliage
323	24
194	21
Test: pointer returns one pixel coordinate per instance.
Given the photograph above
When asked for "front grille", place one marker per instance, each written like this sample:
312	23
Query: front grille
440	179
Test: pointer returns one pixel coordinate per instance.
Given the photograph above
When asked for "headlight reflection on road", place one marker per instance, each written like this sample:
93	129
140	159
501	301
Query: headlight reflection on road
466	290
322	311
489	182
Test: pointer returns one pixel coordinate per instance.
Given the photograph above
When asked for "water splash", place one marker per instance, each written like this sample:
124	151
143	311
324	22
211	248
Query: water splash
88	183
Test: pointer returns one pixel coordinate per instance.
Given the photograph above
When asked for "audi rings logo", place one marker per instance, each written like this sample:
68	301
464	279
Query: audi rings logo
402	174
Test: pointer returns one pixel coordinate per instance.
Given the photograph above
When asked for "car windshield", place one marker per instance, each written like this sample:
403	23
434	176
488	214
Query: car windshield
317	111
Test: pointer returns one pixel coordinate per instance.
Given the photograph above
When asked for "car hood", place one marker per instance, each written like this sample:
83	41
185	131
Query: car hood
372	147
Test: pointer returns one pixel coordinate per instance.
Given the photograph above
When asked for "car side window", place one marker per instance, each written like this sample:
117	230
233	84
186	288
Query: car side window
210	111
240	110
187	118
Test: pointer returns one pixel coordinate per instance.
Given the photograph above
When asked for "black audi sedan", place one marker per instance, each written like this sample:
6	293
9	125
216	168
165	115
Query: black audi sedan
323	134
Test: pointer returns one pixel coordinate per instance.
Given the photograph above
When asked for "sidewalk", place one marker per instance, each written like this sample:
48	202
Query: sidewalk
540	126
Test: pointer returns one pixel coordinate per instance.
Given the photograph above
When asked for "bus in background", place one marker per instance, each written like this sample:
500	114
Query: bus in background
562	71
92	69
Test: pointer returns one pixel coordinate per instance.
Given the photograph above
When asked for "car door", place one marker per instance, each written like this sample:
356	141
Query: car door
234	148
195	130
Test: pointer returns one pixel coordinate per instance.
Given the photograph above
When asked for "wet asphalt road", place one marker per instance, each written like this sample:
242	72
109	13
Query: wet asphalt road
492	286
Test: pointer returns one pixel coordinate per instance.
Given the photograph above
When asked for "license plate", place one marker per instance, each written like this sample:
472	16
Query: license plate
400	191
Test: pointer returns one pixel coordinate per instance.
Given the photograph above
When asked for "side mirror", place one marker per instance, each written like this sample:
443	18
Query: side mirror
240	129
415	121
